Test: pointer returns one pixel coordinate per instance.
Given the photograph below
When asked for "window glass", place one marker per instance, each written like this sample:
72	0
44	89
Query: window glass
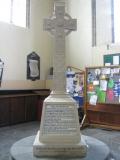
5	10
15	12
19	13
117	20
105	22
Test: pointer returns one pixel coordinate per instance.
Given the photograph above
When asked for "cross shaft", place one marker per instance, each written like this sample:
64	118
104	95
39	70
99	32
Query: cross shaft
59	25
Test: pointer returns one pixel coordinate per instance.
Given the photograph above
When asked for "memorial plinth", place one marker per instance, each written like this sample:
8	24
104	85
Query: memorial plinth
60	132
60	123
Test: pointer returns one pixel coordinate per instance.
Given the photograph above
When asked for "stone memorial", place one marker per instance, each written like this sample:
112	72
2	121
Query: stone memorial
59	133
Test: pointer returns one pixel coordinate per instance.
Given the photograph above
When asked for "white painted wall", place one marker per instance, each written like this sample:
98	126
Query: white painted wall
78	43
16	43
99	51
43	41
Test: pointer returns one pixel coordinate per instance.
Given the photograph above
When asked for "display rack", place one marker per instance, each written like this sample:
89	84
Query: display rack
75	87
102	96
75	84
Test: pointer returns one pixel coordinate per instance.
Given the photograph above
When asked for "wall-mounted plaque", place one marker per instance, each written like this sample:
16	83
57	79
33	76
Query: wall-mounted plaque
33	66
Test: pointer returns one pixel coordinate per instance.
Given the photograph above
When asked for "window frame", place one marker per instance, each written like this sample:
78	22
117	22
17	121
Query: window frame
94	23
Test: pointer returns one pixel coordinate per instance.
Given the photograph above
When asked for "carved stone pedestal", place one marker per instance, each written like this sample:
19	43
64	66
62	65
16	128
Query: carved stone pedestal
60	130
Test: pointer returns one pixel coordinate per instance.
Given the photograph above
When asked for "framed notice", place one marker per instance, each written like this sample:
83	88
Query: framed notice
111	59
33	66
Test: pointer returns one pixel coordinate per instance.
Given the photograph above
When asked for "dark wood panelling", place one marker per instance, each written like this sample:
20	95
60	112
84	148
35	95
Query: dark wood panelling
16	107
31	108
17	110
4	111
109	108
112	119
40	107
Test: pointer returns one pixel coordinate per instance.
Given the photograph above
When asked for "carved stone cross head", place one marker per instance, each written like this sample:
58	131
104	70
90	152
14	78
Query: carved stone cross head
60	21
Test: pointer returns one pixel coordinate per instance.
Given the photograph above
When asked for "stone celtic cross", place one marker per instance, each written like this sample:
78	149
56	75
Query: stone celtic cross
59	25
59	133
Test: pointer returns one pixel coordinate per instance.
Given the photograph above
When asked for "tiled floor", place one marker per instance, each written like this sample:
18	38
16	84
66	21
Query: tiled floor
9	135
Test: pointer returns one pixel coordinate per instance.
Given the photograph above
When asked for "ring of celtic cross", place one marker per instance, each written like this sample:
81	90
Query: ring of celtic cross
61	24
